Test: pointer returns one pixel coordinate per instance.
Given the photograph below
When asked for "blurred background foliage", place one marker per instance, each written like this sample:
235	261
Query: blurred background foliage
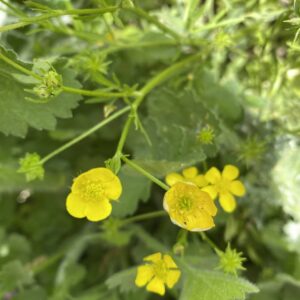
245	90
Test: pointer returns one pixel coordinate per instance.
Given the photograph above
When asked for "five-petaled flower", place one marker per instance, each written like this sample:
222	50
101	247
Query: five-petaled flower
160	270
188	175
189	207
225	186
91	192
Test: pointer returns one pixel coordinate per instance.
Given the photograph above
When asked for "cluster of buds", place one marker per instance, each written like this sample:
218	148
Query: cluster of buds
50	85
31	166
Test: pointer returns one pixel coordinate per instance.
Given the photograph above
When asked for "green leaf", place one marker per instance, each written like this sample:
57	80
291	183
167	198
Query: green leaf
19	113
13	274
160	51
123	280
173	124
219	97
14	246
34	293
95	293
74	273
148	240
214	286
135	188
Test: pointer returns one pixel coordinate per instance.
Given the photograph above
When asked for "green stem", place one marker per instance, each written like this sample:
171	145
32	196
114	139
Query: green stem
57	13
47	263
164	75
142	217
114	47
18	67
154	20
13	9
64	88
124	134
86	133
210	242
145	173
91	93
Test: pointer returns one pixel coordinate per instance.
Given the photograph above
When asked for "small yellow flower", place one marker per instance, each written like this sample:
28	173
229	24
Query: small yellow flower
188	175
159	271
91	192
189	207
225	186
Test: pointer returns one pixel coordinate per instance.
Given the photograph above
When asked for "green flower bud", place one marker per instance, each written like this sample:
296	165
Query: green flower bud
252	150
222	40
231	261
50	86
114	163
31	166
179	249
206	136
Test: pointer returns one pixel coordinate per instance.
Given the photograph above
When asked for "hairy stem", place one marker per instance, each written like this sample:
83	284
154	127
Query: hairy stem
57	13
155	21
86	134
18	67
142	217
145	173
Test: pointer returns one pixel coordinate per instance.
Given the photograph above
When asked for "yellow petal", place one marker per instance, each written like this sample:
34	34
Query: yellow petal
200	221
211	191
190	173
75	206
227	202
213	175
113	188
200	181
144	275
172	278
173	178
157	286
169	261
102	175
97	211
153	257
207	203
230	172
237	188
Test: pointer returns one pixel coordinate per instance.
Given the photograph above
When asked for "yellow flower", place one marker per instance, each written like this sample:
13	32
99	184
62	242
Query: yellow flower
225	186
189	207
159	271
91	192
188	175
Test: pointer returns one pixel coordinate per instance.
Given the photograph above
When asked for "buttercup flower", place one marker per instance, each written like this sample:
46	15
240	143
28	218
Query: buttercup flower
91	192
188	175
159	271
189	207
225	186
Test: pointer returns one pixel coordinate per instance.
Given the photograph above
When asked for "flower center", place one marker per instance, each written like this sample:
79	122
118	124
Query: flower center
92	191
185	203
222	186
161	270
